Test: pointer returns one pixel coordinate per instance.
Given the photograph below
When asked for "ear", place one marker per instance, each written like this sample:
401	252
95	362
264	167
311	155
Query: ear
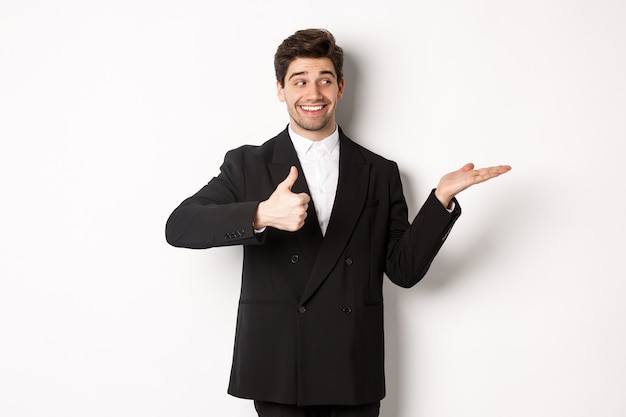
280	91
341	85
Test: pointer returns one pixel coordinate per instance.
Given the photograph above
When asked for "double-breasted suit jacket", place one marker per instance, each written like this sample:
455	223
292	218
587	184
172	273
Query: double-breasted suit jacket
310	318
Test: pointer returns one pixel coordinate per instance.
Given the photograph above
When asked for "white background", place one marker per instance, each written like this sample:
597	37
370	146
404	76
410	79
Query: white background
111	113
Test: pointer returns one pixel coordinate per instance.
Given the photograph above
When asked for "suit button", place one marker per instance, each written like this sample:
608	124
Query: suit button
295	259
347	310
349	261
302	309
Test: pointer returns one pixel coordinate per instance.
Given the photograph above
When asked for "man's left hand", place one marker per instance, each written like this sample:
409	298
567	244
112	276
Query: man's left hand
454	182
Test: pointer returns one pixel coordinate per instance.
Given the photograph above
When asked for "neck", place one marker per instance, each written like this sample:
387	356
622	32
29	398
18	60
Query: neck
314	135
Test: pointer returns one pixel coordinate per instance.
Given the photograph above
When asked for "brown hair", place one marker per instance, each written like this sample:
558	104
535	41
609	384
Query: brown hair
307	43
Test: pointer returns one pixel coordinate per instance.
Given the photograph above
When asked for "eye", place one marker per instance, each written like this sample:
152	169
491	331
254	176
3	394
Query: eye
325	82
299	83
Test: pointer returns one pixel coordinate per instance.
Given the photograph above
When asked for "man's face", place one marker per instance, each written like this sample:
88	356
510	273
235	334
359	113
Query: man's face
311	93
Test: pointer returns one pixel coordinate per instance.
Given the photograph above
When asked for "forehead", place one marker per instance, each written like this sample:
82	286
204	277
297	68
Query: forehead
310	67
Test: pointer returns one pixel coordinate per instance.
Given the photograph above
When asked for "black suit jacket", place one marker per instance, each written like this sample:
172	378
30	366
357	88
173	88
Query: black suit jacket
310	319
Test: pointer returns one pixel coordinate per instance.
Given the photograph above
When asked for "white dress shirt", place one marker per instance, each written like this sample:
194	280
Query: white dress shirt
320	163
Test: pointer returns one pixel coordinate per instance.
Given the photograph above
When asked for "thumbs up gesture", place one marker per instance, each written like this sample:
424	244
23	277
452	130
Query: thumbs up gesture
283	210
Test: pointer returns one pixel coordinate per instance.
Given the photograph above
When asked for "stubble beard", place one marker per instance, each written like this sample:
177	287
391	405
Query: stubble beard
311	125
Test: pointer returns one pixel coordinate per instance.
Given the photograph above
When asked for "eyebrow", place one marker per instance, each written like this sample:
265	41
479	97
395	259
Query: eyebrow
297	74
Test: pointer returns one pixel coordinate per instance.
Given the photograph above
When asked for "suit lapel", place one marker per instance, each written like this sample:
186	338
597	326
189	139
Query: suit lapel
352	189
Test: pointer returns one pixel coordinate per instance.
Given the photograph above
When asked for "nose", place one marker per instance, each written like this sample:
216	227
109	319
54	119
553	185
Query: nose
314	91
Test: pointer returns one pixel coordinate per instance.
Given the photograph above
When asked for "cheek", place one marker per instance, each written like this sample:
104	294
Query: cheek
286	97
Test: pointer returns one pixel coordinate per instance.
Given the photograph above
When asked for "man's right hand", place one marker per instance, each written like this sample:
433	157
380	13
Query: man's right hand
284	210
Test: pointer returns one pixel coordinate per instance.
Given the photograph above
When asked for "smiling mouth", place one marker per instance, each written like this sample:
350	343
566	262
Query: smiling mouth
312	108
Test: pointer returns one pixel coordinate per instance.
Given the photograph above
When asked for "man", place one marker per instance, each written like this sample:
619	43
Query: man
320	219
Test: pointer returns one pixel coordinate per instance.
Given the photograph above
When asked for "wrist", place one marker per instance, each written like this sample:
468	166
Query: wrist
444	199
258	222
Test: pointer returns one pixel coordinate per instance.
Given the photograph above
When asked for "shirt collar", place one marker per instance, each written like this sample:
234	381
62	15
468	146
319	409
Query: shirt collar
303	145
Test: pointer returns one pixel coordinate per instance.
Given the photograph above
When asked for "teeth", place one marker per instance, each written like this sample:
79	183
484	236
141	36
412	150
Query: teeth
312	108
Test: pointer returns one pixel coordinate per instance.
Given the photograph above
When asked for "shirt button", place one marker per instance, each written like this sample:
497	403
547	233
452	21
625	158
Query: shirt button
302	309
349	261
347	310
295	259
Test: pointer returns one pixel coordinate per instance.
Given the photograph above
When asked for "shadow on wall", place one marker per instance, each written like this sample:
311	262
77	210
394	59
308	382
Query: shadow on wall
348	106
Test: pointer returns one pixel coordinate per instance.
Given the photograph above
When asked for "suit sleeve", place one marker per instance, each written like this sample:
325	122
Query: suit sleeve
412	247
217	215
